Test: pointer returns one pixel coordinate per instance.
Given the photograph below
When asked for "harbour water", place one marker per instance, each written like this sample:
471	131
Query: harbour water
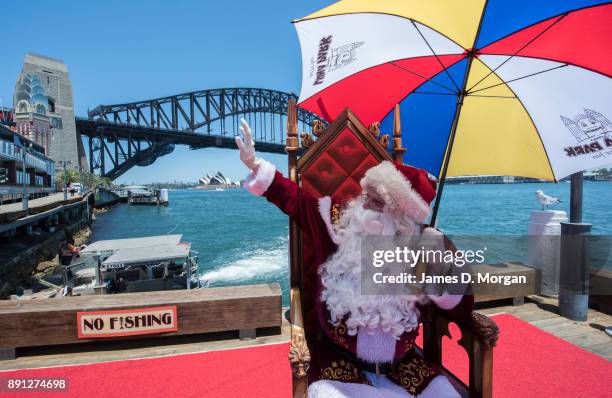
242	239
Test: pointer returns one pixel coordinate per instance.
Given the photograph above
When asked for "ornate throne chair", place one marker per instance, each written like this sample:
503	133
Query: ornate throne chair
333	164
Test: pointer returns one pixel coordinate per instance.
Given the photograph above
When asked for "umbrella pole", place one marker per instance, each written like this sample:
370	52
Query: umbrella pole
449	148
471	54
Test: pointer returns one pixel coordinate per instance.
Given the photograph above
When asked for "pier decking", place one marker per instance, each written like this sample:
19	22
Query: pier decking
540	312
13	216
46	200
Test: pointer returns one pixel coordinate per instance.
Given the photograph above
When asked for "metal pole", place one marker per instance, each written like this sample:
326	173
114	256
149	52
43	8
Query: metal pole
81	180
188	280
97	276
471	54
576	198
65	181
447	156
574	270
24	198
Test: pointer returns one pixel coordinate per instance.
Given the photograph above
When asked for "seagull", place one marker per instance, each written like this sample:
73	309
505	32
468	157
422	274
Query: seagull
545	199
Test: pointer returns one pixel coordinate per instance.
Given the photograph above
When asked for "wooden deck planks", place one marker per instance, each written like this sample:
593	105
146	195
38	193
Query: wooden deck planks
543	314
39	202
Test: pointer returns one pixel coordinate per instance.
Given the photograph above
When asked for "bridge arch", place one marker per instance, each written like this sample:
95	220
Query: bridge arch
122	136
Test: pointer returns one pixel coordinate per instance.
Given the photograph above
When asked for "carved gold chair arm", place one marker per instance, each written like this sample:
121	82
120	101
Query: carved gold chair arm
485	329
480	326
299	355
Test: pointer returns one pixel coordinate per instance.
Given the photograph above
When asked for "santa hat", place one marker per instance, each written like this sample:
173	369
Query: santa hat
406	188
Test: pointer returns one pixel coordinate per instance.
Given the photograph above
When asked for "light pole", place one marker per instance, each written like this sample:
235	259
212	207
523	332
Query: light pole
81	180
65	181
64	163
24	195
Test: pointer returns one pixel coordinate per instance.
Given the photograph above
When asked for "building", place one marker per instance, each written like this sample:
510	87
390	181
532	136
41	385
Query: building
33	110
39	176
6	117
217	180
44	109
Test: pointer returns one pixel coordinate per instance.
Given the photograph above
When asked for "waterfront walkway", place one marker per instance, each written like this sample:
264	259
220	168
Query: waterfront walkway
539	312
52	198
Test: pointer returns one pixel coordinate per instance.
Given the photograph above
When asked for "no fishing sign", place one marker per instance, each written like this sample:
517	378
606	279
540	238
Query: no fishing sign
94	324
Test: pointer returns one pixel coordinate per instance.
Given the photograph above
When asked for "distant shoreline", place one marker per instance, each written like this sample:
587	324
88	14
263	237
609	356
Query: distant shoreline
496	181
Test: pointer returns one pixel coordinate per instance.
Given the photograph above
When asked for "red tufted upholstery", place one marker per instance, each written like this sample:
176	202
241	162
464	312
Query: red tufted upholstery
334	171
338	169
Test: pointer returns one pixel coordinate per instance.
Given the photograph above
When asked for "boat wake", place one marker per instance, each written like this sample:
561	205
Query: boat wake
258	264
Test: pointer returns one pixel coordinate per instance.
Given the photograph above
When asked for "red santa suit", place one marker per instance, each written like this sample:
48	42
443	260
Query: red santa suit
345	358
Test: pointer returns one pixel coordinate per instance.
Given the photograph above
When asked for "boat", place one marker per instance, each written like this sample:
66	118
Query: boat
219	189
143	264
149	197
125	191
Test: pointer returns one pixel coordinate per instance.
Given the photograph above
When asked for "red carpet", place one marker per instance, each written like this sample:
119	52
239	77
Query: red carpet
248	372
527	363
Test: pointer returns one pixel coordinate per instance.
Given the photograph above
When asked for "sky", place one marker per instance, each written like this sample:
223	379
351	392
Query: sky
123	51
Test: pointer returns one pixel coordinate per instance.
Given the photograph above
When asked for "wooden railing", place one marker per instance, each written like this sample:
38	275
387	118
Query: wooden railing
43	322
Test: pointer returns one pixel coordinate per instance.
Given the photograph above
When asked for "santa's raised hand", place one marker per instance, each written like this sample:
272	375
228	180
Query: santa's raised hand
247	146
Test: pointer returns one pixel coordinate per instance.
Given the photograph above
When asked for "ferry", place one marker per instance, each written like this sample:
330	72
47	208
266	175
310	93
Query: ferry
143	264
125	191
149	197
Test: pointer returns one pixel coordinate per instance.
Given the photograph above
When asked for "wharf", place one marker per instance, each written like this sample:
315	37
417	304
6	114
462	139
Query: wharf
538	311
13	216
57	197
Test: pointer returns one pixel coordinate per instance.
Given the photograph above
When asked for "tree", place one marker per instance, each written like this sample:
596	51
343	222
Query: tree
89	180
67	177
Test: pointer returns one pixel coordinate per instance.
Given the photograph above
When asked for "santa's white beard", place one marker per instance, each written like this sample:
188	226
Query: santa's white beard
341	276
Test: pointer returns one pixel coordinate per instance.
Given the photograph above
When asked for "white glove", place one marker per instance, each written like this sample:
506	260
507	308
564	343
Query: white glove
446	301
431	239
247	147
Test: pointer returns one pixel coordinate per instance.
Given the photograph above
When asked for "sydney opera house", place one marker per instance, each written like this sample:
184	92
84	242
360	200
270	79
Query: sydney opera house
217	181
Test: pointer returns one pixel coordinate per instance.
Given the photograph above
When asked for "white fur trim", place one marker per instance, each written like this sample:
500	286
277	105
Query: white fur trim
382	387
258	182
386	387
325	212
338	389
376	346
440	387
400	190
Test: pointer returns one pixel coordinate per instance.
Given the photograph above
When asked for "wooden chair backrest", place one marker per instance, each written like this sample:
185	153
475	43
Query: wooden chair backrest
331	166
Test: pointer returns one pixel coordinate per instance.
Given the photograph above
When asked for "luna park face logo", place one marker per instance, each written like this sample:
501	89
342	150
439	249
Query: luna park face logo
592	132
329	58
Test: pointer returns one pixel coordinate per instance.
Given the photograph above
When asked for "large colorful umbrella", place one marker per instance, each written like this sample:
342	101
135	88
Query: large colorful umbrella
503	87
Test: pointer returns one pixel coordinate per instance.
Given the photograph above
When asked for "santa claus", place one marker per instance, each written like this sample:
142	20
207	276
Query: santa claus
367	345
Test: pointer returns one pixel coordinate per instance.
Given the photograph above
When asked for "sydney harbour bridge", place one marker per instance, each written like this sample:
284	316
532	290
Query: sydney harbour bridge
119	137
